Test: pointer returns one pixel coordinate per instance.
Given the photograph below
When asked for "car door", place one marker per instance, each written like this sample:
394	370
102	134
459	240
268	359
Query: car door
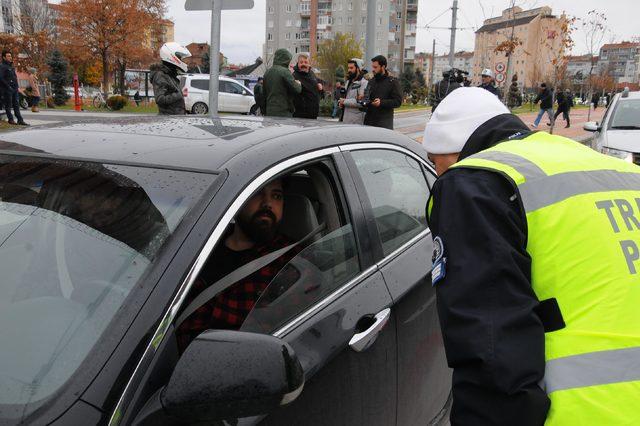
236	98
333	310
224	97
394	189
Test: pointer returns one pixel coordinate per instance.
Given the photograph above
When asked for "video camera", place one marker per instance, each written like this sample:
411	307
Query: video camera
455	75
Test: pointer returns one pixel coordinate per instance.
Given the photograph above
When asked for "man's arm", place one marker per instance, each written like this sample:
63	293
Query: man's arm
292	84
395	97
165	93
493	339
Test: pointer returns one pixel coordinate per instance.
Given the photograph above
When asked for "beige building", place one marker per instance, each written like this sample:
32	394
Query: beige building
541	35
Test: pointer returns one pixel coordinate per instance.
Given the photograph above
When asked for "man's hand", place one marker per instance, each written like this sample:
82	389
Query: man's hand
320	87
341	103
298	81
376	102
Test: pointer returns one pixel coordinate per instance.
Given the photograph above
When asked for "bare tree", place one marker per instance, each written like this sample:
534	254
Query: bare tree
36	16
594	27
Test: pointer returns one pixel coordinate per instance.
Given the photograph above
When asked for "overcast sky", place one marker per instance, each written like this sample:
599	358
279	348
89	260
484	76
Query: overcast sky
243	31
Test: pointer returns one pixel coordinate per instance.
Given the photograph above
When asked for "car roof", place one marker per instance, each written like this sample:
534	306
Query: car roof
221	77
191	143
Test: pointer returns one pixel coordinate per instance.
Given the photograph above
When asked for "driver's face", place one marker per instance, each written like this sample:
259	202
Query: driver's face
265	207
486	79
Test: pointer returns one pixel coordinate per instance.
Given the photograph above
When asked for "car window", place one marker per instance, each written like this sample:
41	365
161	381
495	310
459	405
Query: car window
75	242
398	192
235	88
626	114
200	84
313	228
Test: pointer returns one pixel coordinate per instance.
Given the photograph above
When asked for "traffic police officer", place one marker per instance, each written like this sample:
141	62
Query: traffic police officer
536	269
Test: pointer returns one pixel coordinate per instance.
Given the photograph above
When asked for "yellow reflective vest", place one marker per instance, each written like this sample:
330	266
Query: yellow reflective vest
583	217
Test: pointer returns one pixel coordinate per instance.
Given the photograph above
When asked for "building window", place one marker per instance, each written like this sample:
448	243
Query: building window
364	19
270	24
270	51
289	23
399	15
269	36
287	8
287	36
379	6
298	23
349	20
350	6
271	10
364	5
379	21
378	36
339	21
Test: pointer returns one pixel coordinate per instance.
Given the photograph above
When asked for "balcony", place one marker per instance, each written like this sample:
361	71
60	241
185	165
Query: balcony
412	5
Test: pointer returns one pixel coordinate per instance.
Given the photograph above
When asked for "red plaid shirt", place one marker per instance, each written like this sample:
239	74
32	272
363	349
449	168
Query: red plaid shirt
229	309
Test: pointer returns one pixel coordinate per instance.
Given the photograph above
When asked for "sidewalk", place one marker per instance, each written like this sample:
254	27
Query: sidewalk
578	118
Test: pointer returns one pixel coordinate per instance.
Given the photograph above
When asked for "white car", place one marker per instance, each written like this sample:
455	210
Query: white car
619	133
232	95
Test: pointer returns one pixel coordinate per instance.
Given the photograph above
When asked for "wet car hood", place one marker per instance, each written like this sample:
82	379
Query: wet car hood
623	140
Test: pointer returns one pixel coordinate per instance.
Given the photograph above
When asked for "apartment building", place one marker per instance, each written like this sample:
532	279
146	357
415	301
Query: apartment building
290	25
621	61
10	22
540	33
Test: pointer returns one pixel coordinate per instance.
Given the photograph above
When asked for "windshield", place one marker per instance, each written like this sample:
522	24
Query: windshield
626	115
75	240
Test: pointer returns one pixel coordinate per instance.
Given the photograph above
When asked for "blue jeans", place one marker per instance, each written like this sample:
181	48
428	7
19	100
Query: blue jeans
11	100
549	112
334	114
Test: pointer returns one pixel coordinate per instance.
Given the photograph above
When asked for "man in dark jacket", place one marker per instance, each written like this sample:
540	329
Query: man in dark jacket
488	83
493	338
258	95
9	88
280	88
565	102
307	103
164	77
545	97
384	95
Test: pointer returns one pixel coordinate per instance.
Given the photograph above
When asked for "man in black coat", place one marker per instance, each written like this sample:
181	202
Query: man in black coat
565	102
545	97
384	96
9	88
307	103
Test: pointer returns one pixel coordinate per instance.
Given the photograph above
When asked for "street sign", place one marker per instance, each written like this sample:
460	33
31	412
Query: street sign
192	5
216	7
500	77
500	67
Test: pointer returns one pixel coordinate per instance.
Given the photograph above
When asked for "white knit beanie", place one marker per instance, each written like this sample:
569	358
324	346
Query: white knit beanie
458	116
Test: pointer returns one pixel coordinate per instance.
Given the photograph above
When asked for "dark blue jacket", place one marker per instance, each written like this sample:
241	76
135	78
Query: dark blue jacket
8	78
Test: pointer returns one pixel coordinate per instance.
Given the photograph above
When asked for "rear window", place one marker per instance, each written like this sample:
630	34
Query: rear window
200	84
76	240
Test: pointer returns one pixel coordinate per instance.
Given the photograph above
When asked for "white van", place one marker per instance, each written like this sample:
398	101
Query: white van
232	96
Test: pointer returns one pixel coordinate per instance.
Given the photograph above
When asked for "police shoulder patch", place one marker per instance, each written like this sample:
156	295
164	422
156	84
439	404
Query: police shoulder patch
439	261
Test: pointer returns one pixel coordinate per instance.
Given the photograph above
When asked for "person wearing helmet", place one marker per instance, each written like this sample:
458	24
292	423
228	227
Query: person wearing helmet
164	78
488	82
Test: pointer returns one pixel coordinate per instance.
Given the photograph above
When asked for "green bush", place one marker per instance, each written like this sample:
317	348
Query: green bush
117	102
326	107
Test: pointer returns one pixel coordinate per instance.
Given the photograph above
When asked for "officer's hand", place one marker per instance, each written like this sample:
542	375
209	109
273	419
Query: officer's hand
341	103
298	81
376	102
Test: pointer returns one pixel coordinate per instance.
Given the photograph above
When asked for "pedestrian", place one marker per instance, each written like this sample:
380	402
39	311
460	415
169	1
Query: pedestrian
607	99
280	87
514	97
258	96
307	103
535	270
9	88
565	102
164	77
545	97
488	82
137	98
33	89
450	82
337	95
595	99
385	95
351	104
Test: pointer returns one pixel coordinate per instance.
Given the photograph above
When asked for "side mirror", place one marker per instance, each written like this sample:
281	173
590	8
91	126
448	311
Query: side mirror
591	126
226	375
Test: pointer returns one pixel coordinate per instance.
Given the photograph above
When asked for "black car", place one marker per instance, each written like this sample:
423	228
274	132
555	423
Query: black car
106	230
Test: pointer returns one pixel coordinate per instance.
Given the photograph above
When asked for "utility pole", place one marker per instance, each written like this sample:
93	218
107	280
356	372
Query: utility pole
214	57
433	64
510	52
403	32
313	29
454	16
371	32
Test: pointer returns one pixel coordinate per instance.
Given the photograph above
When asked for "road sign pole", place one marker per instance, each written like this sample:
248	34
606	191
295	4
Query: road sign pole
214	57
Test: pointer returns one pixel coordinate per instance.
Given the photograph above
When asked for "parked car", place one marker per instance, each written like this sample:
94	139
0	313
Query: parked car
106	227
232	95
619	133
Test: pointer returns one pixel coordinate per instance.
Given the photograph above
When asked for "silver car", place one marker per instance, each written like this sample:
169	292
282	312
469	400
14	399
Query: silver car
619	133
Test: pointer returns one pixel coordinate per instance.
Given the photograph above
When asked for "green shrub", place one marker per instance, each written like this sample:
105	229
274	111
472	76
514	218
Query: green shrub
326	107
117	102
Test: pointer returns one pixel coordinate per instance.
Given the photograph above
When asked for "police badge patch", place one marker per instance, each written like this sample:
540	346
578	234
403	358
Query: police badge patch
438	270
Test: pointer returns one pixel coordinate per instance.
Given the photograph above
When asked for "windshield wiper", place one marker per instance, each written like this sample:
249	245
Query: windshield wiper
625	127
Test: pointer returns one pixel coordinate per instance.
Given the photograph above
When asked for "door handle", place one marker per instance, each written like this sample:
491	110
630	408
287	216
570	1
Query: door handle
362	341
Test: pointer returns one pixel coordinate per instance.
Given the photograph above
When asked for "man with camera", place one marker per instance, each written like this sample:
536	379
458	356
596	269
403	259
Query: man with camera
353	112
385	95
452	80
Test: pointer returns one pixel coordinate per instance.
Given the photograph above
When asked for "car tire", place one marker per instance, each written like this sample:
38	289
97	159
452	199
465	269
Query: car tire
253	110
199	108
